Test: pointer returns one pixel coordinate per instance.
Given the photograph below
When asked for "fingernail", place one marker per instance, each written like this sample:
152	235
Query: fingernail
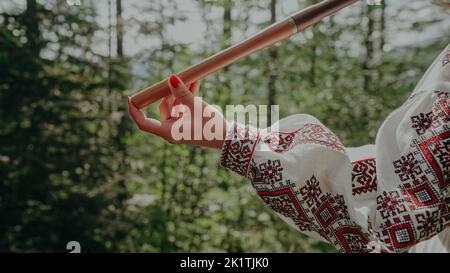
174	81
191	87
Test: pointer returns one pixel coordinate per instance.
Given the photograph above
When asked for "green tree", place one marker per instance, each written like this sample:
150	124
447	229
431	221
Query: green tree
57	154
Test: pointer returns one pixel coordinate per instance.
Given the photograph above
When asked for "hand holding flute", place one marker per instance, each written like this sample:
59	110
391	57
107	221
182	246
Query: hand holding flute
166	89
177	110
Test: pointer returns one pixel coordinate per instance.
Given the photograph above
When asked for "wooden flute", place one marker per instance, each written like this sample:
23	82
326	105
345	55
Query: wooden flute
267	37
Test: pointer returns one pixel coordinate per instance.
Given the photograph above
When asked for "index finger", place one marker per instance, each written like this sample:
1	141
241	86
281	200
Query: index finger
149	125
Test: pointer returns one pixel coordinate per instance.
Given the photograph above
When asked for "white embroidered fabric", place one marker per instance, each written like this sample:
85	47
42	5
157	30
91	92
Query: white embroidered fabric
389	197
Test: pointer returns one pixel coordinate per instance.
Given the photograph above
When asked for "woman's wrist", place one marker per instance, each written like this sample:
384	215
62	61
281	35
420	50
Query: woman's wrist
217	143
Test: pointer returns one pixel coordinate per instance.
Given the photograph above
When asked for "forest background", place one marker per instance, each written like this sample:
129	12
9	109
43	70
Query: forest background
74	167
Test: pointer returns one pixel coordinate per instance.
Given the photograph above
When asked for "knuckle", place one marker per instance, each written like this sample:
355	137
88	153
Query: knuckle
181	93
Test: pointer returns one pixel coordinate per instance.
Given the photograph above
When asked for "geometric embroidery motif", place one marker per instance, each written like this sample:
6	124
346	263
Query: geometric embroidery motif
352	239
312	210
279	142
271	171
441	107
326	215
238	149
285	203
407	167
423	196
437	152
364	176
310	133
445	210
311	191
419	193
419	208
446	58
398	233
391	204
422	122
429	223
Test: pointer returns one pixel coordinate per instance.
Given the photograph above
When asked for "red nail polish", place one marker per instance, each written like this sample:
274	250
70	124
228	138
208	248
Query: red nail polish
191	87
174	81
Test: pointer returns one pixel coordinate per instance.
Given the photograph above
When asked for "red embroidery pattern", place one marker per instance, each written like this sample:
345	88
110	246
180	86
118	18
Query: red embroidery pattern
311	192
416	210
307	206
446	58
441	107
419	193
391	204
352	239
407	168
281	142
437	152
419	209
364	176
428	223
285	202
423	121
311	209
238	149
398	233
271	171
444	210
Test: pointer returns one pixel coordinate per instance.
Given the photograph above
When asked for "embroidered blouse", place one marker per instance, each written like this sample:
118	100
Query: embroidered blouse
387	197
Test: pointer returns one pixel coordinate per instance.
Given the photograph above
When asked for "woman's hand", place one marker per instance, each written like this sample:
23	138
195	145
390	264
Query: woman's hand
183	118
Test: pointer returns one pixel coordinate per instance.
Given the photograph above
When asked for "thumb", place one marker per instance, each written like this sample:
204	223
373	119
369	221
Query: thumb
180	91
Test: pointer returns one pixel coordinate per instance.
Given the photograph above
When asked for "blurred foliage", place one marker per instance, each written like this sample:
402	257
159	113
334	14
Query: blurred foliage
73	166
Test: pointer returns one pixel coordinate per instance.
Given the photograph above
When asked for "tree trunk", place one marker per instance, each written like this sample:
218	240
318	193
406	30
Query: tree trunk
227	23
382	40
119	28
124	127
32	27
368	43
227	26
273	55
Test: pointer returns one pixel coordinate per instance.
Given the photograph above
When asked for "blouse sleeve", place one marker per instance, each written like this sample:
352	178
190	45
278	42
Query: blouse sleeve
413	164
302	171
385	203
